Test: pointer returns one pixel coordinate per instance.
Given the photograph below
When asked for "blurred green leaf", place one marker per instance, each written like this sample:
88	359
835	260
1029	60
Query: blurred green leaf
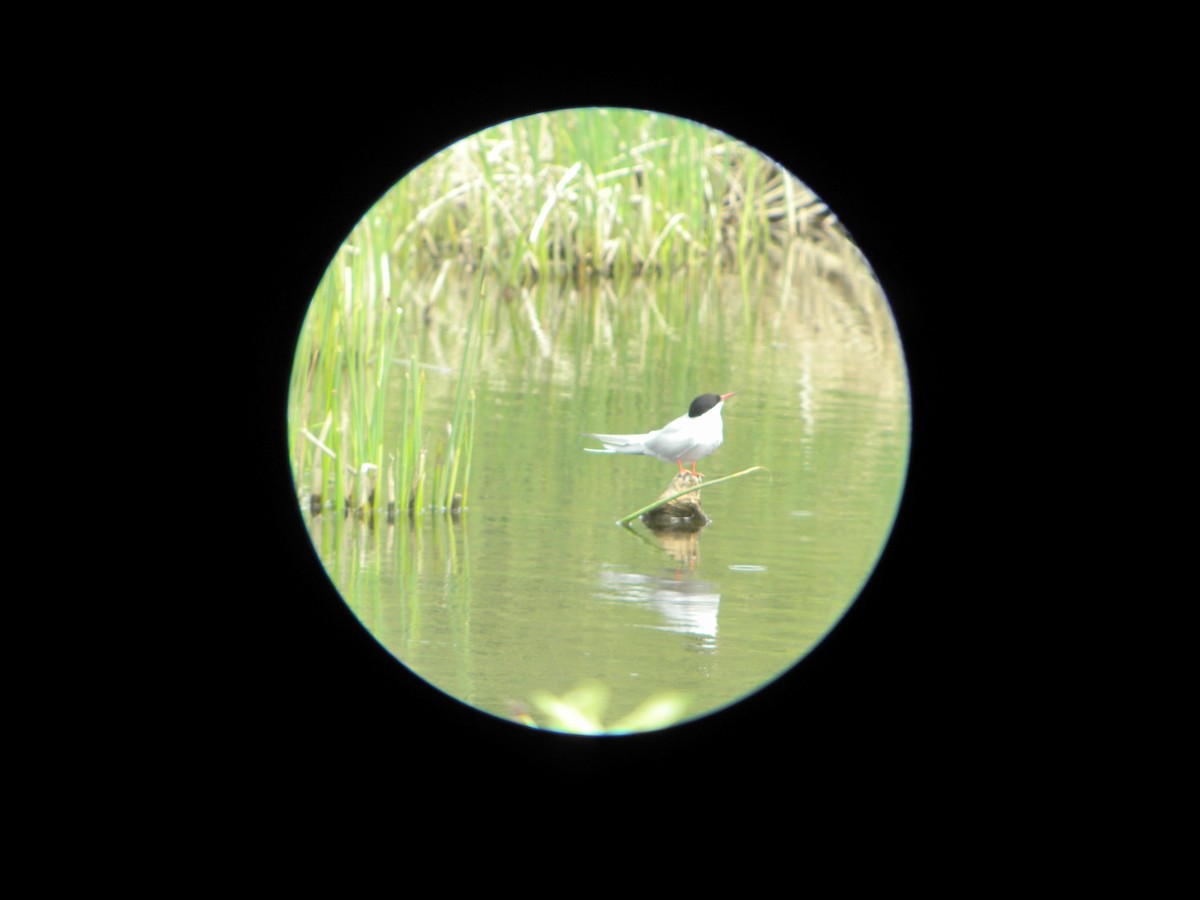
581	711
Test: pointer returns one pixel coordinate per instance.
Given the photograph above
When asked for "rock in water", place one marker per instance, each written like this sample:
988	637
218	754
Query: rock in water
683	511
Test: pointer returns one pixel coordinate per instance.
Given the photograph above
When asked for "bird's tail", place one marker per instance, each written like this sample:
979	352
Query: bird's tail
618	443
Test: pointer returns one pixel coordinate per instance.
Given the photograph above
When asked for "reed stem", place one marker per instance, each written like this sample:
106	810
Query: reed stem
663	501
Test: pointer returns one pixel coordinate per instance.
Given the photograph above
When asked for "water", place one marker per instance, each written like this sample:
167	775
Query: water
535	591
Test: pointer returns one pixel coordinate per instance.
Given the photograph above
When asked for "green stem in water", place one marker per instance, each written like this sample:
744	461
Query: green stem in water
665	500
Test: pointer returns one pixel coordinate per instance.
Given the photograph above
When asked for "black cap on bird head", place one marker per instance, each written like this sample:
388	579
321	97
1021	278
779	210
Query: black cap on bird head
705	402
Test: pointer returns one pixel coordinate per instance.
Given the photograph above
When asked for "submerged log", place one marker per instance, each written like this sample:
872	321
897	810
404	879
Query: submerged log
682	512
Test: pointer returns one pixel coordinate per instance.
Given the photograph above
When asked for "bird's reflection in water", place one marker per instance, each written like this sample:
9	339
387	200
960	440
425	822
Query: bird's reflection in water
683	605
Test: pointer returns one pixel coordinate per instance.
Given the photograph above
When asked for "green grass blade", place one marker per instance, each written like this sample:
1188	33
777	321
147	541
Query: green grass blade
704	484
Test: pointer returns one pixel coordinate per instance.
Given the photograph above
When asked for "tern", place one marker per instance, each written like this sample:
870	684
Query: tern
690	437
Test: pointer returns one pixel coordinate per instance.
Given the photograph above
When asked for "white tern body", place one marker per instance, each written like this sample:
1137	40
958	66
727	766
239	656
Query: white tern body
690	437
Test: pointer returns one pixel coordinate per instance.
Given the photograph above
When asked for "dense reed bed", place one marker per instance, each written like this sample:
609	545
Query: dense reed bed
451	267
